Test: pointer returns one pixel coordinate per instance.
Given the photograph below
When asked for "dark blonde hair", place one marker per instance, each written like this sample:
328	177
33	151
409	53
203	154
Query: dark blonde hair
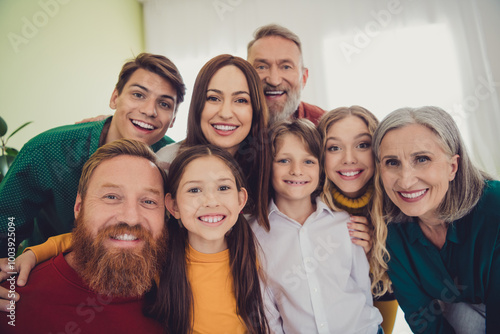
253	151
303	129
173	306
114	149
378	255
157	64
465	189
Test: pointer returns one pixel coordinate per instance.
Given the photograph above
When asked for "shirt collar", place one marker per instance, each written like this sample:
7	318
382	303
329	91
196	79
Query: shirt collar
320	207
414	233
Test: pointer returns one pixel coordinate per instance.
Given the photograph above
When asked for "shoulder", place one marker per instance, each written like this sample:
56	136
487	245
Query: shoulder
63	133
165	141
491	194
311	110
169	152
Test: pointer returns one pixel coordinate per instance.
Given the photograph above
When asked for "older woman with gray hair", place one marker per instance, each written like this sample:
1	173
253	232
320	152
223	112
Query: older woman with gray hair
443	224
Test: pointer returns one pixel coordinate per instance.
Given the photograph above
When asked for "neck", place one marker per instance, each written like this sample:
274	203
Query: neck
298	210
70	258
208	246
434	230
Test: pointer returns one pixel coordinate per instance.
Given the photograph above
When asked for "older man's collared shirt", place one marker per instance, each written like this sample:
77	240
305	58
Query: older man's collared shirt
319	279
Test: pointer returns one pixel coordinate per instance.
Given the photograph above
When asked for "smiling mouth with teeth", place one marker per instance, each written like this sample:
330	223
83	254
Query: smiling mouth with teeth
274	92
413	195
223	127
142	125
353	173
125	237
296	182
212	219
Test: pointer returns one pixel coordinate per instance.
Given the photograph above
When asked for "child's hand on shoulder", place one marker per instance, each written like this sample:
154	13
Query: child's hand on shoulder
360	231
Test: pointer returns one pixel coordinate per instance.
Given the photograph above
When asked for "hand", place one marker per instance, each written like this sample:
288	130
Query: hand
93	119
23	265
360	232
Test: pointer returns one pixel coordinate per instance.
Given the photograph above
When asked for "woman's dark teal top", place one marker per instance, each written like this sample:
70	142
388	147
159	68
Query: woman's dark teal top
466	269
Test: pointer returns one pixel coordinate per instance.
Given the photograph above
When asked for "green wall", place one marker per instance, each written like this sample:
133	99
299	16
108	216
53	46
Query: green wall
60	59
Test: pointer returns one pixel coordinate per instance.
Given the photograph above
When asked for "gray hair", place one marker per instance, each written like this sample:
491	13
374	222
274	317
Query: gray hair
275	30
466	188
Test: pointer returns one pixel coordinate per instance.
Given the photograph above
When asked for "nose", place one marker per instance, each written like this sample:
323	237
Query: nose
149	108
130	213
210	199
273	77
225	110
407	177
295	168
349	156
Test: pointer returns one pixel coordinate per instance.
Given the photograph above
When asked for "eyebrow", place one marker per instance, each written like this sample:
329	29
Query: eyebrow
165	96
280	61
412	155
233	94
224	179
115	186
356	137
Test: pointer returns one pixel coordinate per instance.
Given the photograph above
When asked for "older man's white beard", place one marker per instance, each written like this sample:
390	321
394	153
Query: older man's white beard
280	112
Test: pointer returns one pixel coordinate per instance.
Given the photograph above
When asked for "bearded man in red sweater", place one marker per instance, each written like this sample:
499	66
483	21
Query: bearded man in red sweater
119	244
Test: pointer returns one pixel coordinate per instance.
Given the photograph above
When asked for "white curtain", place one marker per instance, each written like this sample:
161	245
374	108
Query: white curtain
379	54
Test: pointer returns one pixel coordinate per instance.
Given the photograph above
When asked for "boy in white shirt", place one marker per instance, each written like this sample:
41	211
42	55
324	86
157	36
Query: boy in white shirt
319	279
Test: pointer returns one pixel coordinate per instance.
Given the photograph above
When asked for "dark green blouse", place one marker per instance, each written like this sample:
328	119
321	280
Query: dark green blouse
466	269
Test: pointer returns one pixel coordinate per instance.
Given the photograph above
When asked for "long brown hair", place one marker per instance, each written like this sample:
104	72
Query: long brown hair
173	306
253	151
378	255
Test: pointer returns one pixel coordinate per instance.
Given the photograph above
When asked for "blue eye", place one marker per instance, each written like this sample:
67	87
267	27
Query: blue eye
242	100
310	162
392	163
422	159
282	161
164	105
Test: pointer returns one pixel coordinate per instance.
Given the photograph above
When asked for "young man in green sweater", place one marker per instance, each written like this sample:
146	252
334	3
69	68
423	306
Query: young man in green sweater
38	193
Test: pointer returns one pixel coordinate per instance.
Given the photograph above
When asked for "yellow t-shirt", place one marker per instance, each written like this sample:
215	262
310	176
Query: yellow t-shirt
214	301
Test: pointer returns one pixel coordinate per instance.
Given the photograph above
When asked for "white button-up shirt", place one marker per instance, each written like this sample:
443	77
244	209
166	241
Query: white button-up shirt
318	278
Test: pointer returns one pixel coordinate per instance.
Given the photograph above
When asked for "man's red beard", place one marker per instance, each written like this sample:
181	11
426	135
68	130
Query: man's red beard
113	271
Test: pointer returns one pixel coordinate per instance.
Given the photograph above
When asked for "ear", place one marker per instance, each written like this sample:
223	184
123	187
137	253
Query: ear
173	120
305	75
242	198
171	205
78	205
112	101
454	166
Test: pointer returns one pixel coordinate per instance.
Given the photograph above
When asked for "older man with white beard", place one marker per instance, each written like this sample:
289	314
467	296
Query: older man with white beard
119	245
276	54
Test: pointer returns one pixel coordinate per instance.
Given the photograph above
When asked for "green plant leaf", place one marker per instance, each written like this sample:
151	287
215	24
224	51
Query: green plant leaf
5	162
11	151
3	127
19	128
